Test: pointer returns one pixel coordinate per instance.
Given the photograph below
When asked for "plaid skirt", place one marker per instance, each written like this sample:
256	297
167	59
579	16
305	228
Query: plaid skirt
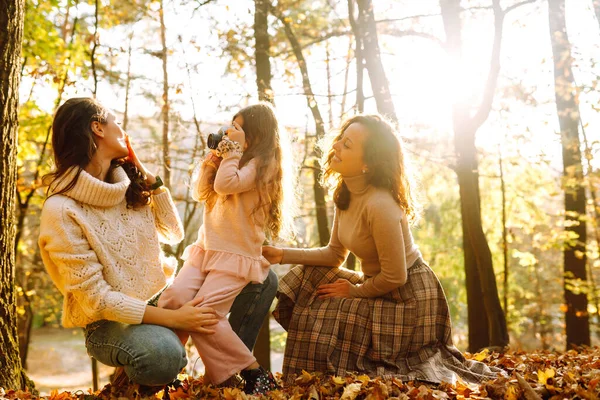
405	333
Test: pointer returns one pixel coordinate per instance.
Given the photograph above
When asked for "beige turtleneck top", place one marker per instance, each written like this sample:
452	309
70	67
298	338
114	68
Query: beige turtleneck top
376	230
104	257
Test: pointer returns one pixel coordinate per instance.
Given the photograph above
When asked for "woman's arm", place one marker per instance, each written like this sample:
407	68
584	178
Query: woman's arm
189	317
332	255
385	217
167	221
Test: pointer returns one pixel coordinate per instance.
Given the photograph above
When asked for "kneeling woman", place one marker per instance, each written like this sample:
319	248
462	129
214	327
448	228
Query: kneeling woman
394	320
100	235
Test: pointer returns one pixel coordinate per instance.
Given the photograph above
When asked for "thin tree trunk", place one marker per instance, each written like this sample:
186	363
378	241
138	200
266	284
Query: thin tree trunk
321	205
595	220
372	58
329	93
165	98
487	322
262	50
94	46
357	27
540	313
128	83
191	207
262	347
576	316
596	5
11	35
346	76
504	232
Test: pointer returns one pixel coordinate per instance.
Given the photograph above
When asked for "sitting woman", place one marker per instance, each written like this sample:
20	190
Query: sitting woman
394	319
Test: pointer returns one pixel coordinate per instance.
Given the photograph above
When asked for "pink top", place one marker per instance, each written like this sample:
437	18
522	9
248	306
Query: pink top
231	235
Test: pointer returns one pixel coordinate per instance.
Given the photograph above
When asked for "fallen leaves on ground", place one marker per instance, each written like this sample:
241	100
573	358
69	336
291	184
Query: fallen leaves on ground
532	376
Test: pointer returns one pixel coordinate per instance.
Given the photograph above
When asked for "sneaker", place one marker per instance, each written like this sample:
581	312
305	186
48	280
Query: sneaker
258	381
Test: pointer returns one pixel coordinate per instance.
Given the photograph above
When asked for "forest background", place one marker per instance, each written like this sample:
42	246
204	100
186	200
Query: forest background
497	101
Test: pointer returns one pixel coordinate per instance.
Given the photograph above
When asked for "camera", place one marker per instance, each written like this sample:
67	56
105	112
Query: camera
215	138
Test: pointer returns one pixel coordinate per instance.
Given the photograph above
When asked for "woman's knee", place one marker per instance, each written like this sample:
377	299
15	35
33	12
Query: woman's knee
161	356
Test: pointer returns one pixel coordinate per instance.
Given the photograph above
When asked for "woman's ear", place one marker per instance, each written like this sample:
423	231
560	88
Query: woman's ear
97	128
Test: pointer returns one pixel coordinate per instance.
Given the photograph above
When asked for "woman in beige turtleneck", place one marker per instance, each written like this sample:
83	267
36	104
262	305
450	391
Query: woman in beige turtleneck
391	320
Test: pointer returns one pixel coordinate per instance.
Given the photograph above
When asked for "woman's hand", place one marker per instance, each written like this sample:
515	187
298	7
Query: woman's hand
195	319
150	178
237	134
132	156
273	254
339	288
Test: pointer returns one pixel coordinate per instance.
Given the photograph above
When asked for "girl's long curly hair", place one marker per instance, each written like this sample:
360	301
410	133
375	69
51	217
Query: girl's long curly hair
73	146
384	157
270	146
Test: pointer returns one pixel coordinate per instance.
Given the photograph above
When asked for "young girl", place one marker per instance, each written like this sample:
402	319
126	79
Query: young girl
242	184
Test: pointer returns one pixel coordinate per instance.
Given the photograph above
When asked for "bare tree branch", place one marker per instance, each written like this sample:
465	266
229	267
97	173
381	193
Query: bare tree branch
492	79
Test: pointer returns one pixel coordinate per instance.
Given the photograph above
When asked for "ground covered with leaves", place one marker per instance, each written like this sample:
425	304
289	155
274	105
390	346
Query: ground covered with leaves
532	375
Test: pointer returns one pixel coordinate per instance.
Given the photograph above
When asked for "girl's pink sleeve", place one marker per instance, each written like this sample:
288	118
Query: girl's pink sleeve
232	179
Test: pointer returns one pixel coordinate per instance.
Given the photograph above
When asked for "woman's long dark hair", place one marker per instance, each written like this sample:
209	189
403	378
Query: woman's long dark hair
384	157
73	146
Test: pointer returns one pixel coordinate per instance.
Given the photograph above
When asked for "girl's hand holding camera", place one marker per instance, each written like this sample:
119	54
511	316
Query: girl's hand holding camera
237	134
212	160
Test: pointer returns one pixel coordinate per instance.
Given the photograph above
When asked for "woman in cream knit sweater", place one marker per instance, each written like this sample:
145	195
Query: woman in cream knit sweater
100	235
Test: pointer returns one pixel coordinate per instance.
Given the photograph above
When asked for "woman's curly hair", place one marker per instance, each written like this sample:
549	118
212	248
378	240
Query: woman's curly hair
384	157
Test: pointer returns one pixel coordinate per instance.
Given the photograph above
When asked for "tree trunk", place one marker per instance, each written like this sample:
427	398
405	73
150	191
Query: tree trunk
262	348
346	76
596	5
594	220
504	233
11	34
128	83
94	47
319	192
329	92
487	323
262	50
357	28
478	257
576	316
372	58
25	321
165	97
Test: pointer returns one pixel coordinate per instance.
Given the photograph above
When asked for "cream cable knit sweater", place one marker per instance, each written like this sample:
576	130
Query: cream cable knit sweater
106	258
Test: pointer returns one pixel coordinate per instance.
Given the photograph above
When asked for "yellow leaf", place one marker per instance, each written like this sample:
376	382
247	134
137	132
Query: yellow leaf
543	376
481	355
363	378
338	380
304	378
512	393
351	391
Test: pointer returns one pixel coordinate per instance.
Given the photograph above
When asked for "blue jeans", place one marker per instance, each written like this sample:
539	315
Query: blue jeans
153	355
